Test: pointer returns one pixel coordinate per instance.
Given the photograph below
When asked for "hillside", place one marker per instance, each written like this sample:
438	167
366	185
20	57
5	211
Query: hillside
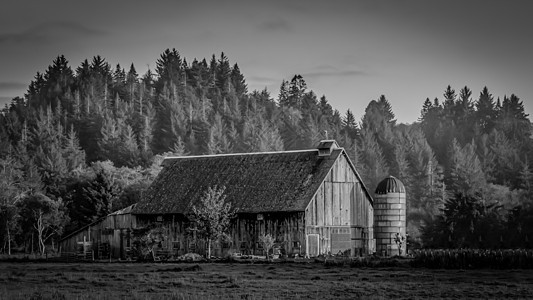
86	141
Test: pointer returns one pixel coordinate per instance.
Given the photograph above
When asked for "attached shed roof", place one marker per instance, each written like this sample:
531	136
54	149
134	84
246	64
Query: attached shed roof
124	211
255	182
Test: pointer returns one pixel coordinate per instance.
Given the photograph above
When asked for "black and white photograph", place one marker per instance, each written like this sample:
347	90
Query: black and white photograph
295	149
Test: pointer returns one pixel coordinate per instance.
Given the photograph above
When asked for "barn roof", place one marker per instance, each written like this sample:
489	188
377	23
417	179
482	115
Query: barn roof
255	182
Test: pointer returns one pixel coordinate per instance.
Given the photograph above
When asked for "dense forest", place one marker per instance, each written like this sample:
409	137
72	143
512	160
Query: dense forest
87	141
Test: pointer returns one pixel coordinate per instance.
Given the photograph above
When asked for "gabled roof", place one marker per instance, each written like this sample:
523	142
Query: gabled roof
255	182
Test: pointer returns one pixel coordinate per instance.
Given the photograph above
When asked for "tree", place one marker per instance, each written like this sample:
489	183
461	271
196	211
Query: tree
212	216
267	241
296	91
145	240
283	97
349	125
44	215
486	113
73	154
467	176
238	81
10	177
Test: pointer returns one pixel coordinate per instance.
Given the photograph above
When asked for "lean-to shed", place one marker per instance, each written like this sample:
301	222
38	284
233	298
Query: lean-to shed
107	237
311	201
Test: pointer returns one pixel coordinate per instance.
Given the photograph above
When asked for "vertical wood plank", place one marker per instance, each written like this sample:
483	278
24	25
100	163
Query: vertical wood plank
320	205
327	203
335	206
346	203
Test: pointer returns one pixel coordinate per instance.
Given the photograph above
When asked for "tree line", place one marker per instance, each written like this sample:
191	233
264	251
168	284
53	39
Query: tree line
84	142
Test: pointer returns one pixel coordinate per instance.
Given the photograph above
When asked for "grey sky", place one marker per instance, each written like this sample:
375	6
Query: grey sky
351	51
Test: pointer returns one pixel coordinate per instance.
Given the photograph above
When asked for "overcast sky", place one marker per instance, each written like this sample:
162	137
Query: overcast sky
350	51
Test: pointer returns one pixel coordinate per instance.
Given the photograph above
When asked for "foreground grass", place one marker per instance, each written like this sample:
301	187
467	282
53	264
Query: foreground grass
253	281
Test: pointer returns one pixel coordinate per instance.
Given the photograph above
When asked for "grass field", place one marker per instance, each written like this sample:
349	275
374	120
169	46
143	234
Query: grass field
26	280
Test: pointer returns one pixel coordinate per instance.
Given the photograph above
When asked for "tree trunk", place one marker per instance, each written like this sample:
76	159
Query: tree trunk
40	229
8	241
208	248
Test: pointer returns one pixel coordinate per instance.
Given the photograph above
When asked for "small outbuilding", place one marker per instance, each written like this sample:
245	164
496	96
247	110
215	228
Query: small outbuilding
107	237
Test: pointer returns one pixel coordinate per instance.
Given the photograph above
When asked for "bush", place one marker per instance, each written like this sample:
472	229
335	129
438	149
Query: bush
473	259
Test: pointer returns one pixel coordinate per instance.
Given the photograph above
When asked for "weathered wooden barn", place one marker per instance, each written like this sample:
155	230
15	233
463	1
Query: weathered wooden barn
312	201
107	237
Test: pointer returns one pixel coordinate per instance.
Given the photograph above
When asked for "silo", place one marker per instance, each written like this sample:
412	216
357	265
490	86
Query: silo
389	216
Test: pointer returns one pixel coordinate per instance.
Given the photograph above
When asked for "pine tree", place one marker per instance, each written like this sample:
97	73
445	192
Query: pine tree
178	149
169	70
526	177
513	120
349	125
449	102
119	83
223	75
238	81
129	151
296	90
372	160
132	88
467	176
485	111
73	154
283	97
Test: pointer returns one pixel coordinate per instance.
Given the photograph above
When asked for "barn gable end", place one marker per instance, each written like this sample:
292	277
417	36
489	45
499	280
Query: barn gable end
340	213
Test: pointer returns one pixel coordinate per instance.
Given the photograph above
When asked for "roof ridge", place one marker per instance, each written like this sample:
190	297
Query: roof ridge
239	154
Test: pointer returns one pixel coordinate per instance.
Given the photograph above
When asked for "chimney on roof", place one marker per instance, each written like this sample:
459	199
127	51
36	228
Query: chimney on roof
325	147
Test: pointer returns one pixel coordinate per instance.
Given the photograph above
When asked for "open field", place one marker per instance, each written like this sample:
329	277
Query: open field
26	280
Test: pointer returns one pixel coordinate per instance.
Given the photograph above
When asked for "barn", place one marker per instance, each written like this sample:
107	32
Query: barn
107	237
311	201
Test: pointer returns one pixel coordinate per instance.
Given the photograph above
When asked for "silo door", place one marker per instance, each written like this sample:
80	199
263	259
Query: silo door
312	245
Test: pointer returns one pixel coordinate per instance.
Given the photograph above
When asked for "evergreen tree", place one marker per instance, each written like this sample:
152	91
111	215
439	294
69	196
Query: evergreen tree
296	90
349	125
223	75
485	112
238	81
169	68
372	160
467	176
513	121
73	154
132	88
283	97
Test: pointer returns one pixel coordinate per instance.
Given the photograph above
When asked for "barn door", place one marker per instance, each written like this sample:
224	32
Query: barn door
313	247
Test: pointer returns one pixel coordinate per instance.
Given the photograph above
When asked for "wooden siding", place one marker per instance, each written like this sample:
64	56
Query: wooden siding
341	213
286	228
113	230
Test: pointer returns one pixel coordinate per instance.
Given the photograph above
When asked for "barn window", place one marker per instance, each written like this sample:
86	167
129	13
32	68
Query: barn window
226	244
159	219
107	231
176	245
